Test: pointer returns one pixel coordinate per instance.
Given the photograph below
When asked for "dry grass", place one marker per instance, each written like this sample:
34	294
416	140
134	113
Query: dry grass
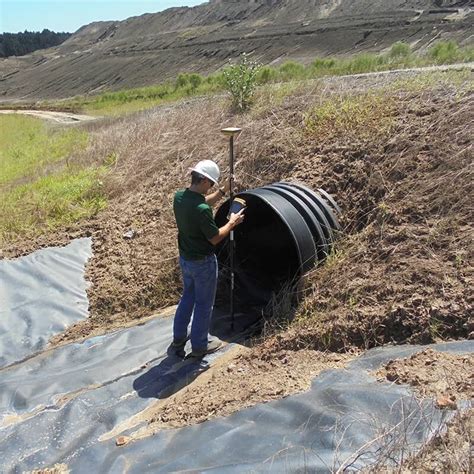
403	271
450	450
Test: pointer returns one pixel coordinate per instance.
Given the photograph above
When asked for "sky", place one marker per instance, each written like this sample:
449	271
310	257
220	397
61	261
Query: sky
70	15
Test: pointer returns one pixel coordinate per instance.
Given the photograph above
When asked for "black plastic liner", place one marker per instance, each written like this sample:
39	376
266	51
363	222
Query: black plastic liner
60	407
65	406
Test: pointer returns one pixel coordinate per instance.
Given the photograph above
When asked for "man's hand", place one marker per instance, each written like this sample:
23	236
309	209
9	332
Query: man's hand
236	219
226	186
224	231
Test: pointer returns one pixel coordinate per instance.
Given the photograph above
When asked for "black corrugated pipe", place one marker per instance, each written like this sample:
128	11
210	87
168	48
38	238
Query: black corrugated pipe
287	229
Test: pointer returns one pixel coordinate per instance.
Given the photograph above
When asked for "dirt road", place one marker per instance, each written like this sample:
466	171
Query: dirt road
65	118
449	67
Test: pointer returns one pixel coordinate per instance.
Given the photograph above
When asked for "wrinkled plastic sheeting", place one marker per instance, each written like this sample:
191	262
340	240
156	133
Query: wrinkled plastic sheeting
73	396
41	294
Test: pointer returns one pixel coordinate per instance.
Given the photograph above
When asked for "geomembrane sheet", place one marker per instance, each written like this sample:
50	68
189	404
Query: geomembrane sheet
60	405
54	408
40	296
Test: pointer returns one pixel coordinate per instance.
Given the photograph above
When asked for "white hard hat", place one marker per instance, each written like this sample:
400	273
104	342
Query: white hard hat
209	169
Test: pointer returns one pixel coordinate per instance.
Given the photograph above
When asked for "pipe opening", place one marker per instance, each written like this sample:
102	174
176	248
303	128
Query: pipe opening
285	232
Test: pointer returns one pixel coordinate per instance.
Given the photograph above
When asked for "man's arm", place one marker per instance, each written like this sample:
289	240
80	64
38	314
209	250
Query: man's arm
224	231
212	198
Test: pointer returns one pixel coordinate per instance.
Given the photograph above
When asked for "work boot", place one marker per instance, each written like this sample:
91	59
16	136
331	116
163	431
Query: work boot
212	346
177	347
179	343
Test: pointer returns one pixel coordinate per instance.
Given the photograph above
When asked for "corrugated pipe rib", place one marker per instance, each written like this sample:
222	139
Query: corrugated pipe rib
288	228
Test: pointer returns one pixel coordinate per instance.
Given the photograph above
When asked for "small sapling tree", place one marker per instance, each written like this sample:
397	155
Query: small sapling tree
241	80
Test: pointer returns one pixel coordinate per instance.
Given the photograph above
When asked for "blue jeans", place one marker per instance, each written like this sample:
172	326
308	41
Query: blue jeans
200	283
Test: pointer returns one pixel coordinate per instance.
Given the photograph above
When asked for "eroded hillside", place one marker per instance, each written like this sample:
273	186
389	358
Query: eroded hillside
154	47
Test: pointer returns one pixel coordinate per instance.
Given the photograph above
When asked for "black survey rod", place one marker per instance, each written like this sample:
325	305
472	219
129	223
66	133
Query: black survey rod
232	241
231	133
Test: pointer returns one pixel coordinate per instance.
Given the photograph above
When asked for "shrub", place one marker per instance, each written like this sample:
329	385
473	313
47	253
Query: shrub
468	53
365	63
182	80
400	50
291	70
266	74
195	80
190	82
241	80
445	52
323	63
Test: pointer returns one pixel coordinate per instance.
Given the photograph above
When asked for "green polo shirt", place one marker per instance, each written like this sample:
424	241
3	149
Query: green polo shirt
196	225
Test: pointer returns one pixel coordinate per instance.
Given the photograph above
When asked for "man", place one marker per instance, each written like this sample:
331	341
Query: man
197	236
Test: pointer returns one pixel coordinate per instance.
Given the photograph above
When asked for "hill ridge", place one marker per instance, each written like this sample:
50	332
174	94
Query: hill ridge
154	47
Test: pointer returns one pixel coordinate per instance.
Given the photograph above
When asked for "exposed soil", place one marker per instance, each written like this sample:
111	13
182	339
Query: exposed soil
56	469
443	376
447	378
241	379
248	380
152	48
63	118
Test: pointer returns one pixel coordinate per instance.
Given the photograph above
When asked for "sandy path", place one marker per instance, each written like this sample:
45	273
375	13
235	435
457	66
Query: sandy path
448	67
65	118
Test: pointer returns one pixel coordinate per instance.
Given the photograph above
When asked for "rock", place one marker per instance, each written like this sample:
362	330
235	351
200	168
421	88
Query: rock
122	440
130	234
446	403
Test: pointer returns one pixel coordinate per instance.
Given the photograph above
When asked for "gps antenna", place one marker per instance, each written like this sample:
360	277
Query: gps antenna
231	133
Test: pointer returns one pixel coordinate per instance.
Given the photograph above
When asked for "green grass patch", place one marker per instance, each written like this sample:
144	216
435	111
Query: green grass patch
359	116
132	100
49	202
26	145
40	185
448	52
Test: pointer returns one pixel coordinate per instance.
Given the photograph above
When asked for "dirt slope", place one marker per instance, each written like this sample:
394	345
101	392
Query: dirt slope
148	49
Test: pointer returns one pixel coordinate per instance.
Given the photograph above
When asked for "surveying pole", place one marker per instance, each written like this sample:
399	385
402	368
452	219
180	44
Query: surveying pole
231	133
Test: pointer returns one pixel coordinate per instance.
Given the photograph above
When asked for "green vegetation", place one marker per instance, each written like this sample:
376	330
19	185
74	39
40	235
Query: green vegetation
18	44
56	199
241	81
362	116
400	50
132	100
291	70
448	52
26	146
41	185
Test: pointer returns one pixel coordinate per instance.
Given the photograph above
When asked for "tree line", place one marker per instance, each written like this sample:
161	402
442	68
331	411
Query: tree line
18	44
